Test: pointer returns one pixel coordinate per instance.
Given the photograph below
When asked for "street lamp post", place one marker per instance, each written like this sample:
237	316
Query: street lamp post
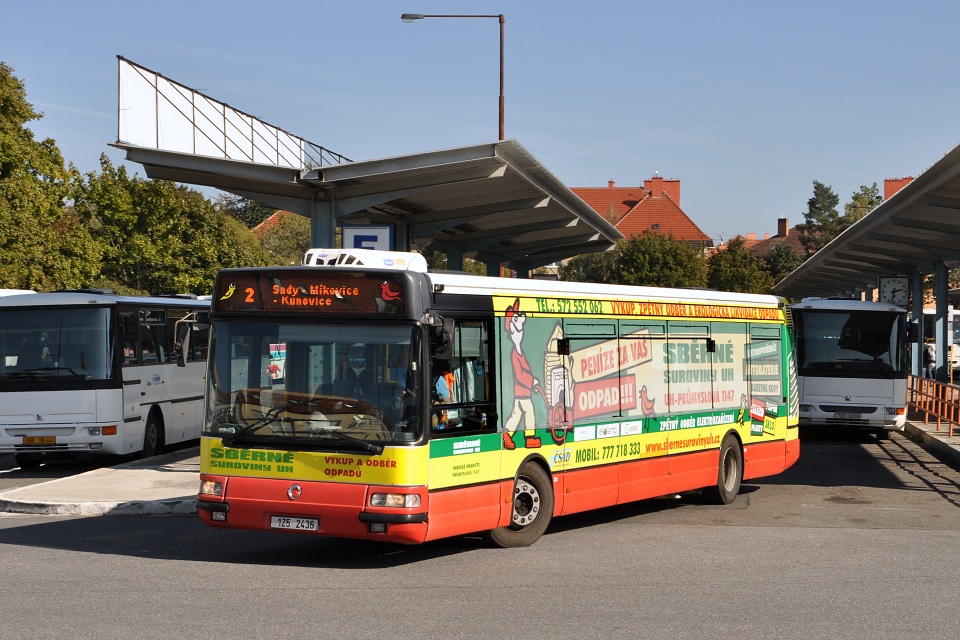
410	17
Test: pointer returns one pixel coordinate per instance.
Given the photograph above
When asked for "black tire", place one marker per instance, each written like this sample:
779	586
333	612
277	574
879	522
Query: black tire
729	473
152	436
28	460
532	508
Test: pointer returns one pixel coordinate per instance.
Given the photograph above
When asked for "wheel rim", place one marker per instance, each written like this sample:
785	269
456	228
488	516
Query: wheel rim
152	437
526	503
729	467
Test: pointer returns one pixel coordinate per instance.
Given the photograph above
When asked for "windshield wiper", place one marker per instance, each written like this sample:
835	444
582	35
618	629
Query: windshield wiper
230	431
272	415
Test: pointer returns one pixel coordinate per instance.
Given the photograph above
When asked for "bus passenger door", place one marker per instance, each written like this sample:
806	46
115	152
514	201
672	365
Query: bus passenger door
134	416
591	395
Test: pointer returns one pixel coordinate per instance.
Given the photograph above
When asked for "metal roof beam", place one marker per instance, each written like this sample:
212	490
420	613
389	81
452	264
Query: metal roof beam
472	241
941	202
429	224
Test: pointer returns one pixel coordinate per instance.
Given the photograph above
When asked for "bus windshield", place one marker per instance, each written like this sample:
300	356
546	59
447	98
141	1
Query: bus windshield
313	386
55	343
850	344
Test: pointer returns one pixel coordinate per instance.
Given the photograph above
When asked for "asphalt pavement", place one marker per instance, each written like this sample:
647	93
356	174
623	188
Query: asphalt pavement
168	484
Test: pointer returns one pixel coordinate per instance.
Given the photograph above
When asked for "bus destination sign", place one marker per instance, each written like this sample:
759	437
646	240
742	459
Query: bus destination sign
311	291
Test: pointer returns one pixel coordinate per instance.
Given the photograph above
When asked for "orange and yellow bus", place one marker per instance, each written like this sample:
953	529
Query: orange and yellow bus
323	414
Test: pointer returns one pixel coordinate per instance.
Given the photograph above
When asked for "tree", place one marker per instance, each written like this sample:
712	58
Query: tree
736	269
249	212
589	267
656	260
650	259
159	237
287	240
862	202
780	261
823	222
43	244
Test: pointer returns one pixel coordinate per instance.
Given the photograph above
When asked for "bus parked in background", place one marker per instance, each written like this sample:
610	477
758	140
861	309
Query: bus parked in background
852	364
563	397
953	330
91	372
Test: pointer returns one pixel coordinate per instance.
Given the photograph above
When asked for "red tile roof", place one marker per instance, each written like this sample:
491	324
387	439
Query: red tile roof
791	239
653	207
270	222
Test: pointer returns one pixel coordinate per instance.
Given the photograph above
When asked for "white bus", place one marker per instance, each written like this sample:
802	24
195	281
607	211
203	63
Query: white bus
852	364
89	372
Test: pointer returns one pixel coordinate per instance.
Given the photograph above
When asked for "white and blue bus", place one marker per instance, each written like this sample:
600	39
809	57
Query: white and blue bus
852	364
89	372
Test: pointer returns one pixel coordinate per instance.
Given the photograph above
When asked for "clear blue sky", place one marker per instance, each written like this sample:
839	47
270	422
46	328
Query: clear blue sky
746	102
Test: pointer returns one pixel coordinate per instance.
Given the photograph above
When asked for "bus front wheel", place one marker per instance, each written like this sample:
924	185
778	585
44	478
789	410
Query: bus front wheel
532	508
729	473
28	460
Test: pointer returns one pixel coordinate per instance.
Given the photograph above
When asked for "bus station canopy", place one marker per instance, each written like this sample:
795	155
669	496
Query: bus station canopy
915	232
492	202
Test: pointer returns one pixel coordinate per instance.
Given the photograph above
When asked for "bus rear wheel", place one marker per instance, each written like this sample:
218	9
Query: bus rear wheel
729	473
532	508
152	436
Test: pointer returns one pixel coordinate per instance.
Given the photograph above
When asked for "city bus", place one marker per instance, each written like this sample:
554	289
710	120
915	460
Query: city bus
564	397
852	364
89	372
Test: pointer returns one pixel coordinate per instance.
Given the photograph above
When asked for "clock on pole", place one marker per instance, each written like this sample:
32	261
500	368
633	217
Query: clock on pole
895	290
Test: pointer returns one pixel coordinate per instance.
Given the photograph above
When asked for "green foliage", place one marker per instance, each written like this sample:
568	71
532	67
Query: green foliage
157	236
43	244
287	240
249	212
437	261
862	202
780	261
589	267
656	260
650	259
823	222
737	269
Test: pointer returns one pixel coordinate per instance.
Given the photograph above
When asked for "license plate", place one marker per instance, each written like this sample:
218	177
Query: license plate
35	440
296	524
848	416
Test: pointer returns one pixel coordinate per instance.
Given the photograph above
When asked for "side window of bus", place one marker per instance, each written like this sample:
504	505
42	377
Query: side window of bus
462	384
129	332
148	348
199	342
153	336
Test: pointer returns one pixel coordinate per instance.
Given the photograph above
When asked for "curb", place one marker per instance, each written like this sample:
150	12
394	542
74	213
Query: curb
185	505
933	443
134	508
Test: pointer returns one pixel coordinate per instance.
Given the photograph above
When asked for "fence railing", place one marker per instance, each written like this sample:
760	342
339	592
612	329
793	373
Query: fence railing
932	400
156	112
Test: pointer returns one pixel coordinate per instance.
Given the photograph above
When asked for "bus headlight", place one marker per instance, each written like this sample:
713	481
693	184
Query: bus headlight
211	487
805	408
405	500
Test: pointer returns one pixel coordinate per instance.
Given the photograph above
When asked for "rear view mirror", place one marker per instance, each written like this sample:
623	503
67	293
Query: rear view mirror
182	345
443	342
